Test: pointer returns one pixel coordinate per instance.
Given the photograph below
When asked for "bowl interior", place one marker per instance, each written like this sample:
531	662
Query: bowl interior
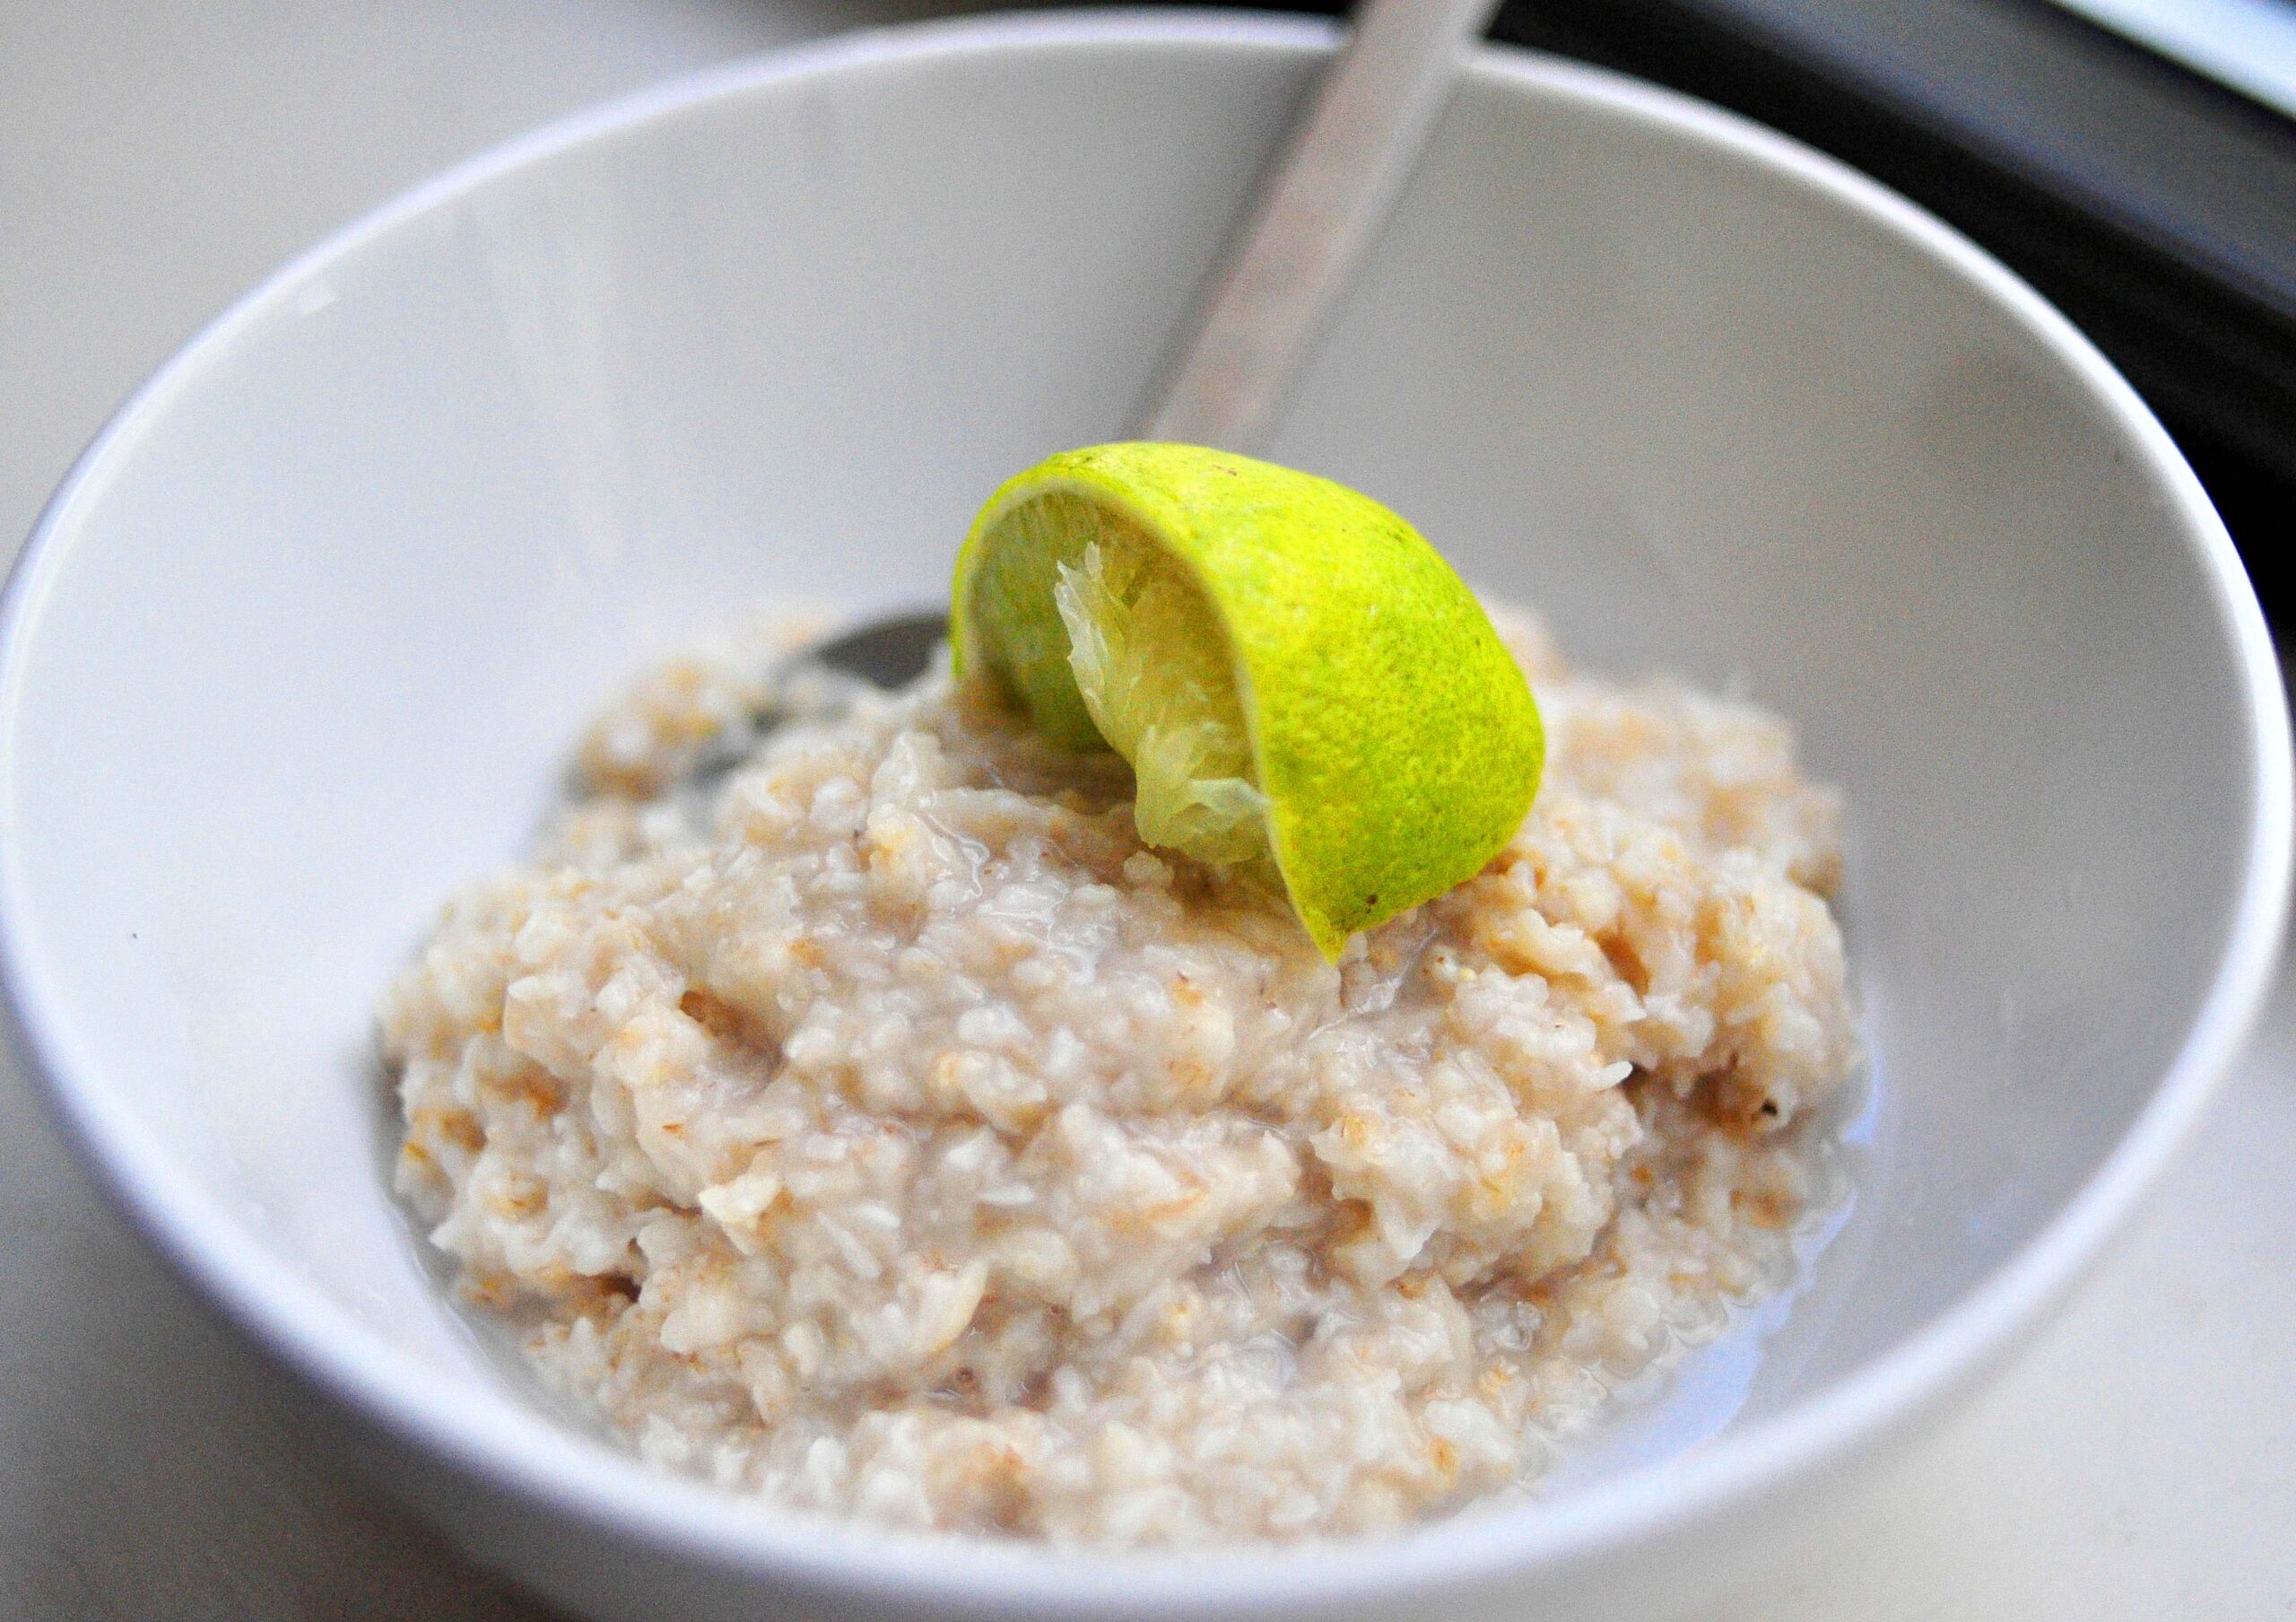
305	643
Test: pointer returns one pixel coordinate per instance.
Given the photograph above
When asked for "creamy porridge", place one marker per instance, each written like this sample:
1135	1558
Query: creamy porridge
879	1126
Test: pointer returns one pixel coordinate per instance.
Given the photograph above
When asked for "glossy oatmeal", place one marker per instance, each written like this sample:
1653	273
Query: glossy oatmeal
863	1118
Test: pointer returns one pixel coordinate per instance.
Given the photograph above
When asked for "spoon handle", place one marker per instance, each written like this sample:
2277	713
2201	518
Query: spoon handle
1313	216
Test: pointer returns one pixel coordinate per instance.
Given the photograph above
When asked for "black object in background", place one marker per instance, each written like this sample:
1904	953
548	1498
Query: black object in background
2153	205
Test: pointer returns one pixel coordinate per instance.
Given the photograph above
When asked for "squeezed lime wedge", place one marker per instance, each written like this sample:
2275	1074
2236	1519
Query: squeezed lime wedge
1306	691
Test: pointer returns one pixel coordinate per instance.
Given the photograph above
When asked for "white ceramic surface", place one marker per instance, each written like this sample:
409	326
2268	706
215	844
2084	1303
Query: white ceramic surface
1705	399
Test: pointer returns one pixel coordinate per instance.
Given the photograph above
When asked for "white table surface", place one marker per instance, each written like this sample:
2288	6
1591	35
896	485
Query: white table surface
156	157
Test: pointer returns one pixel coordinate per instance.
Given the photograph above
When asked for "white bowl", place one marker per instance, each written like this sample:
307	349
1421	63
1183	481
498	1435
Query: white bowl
299	644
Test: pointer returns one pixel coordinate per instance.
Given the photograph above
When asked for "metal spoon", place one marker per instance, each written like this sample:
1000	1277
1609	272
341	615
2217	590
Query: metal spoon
1293	255
1284	270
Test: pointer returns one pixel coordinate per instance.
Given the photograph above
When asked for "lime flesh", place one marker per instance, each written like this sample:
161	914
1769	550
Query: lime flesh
1153	668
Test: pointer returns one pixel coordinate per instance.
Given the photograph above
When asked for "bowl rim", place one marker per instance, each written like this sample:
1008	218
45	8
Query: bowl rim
544	1464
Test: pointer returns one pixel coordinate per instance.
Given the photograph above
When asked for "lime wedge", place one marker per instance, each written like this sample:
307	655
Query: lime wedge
1306	692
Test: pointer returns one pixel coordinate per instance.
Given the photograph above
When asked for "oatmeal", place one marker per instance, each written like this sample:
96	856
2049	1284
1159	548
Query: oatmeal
881	1128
